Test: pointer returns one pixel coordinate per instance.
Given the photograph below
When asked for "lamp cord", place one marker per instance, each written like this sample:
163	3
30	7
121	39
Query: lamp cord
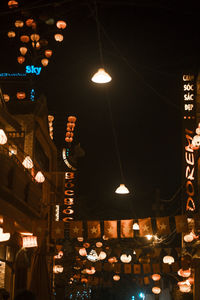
99	35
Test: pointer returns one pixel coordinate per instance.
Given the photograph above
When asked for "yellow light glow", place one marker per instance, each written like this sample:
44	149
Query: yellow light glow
149	237
101	76
122	189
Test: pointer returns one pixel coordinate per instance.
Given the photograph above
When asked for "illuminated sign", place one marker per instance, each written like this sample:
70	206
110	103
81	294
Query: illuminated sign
28	70
69	196
29	241
33	70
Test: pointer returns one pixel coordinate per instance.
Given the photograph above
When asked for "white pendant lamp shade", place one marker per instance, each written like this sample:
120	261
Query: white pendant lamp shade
3	137
27	163
101	76
122	189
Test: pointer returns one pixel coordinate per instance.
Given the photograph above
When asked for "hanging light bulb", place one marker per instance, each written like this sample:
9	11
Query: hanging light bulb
101	76
122	189
3	137
39	177
27	162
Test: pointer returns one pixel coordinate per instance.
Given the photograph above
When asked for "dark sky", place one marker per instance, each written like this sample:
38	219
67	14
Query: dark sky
147	45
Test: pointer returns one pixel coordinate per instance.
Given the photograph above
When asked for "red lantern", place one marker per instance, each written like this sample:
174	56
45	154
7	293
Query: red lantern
58	37
48	53
20	59
23	50
11	34
19	23
72	119
29	22
61	24
44	62
24	38
21	95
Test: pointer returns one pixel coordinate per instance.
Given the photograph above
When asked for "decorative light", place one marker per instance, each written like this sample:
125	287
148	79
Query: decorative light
58	37
72	119
6	97
82	252
58	269
92	256
168	259
23	50
156	277
126	258
24	38
12	4
21	95
102	255
29	22
44	62
99	244
29	241
112	260
86	245
11	34
156	290
20	59
61	24
4	236
184	273
122	189
39	177
27	162
136	226
19	23
59	255
3	137
91	271
101	76
149	236
116	277
35	37
48	53
80	239
184	288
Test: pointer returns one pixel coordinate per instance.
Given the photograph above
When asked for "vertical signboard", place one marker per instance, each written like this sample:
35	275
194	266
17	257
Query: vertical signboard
189	126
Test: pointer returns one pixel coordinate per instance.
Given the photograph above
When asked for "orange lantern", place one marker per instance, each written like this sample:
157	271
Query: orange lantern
102	255
29	22
24	38
35	37
68	139
34	25
21	95
112	260
68	211
6	97
23	50
58	37
80	239
20	59
90	271
99	244
61	24
84	280
82	252
59	255
27	162
36	45
125	258
86	245
39	177
155	277
12	4
156	290
19	23
168	259
58	269
116	277
184	273
11	34
44	62
72	119
48	53
184	288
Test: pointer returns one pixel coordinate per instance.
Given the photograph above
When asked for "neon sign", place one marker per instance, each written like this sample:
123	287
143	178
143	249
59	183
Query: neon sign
33	70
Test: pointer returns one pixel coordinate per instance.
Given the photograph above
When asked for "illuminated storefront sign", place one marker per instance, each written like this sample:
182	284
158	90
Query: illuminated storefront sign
33	70
69	196
189	149
28	70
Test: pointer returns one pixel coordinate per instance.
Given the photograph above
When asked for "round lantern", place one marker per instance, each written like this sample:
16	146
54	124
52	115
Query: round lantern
6	97
23	50
12	4
102	255
24	38
168	259
80	239
99	244
90	271
82	252
61	24
184	273
116	277
72	119
84	280
21	95
19	23
27	162
36	45
35	37
3	137
58	37
58	269
11	34
156	290
44	62
39	177
48	53
125	258
184	288
156	277
20	59
29	22
59	255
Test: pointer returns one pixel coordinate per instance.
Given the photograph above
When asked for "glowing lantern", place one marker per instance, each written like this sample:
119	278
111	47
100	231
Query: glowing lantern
44	62
23	50
27	162
59	255
68	140
24	38
112	260
80	239
155	277
99	244
184	288
102	255
21	95
84	280
36	45
48	53
122	189
35	37
11	34
6	97
29	241
12	4
101	76
125	258
82	252
156	290
92	256
3	137
72	119
190	280
58	269
4	236
136	226
19	23
86	245
90	271
184	273
29	22
116	277
50	118
61	24
39	177
168	259
20	59
58	37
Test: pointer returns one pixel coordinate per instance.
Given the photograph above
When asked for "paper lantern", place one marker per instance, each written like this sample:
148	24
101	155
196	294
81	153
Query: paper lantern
3	137
184	288
125	258
23	50
99	244
102	255
35	37
156	290
58	269
21	95
92	256
48	53
12	4
112	260
82	252
68	140
86	245
168	259
101	77
6	97
50	118
58	37
27	162
36	45
155	277
71	119
29	22
80	239
61	24
24	38
4	236
19	23
184	273
39	177
20	59
59	255
11	34
116	277
44	62
91	271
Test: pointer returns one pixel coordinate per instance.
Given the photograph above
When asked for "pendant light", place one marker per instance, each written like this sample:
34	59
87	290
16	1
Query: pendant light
3	137
101	76
122	189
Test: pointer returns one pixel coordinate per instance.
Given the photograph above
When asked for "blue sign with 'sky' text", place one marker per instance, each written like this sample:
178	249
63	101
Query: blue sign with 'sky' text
33	70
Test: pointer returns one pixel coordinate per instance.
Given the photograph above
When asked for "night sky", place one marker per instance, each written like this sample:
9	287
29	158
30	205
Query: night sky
147	45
